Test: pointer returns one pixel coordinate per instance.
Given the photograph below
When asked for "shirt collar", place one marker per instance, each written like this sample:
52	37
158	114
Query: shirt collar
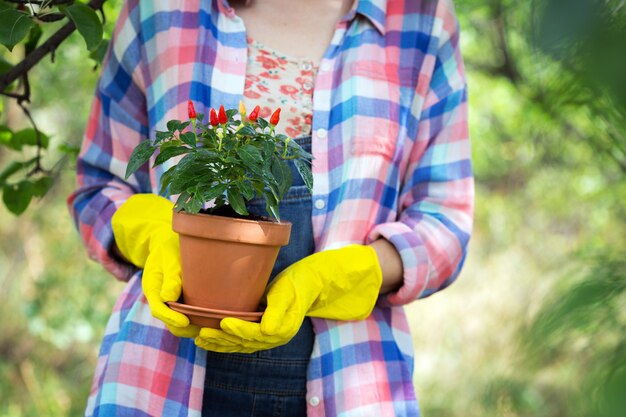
374	10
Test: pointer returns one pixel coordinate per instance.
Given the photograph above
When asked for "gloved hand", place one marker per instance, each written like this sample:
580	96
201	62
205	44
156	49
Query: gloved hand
341	284
142	228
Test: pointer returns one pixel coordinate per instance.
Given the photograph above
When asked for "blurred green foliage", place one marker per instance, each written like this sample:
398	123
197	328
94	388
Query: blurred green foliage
548	122
535	325
27	34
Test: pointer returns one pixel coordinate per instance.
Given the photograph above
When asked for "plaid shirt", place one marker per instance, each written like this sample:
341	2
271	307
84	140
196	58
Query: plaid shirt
392	160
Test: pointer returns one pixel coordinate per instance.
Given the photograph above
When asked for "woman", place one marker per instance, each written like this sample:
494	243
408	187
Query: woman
384	111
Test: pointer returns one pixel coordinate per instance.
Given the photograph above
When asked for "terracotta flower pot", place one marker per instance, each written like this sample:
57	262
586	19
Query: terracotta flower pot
226	264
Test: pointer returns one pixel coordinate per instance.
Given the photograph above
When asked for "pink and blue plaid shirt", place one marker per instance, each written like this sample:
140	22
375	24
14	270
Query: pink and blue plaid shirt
392	160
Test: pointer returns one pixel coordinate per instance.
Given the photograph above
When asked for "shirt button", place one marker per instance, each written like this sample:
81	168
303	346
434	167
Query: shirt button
307	85
321	133
325	66
319	204
314	401
306	66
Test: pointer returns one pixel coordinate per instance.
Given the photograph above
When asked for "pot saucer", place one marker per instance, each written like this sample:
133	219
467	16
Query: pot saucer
209	317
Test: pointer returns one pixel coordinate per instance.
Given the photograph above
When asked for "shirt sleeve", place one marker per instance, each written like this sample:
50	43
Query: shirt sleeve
437	196
117	123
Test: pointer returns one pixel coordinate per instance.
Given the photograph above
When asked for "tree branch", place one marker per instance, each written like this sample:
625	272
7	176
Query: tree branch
40	2
49	46
509	66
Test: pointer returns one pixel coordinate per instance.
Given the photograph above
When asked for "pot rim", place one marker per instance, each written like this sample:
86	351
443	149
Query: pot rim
210	226
182	307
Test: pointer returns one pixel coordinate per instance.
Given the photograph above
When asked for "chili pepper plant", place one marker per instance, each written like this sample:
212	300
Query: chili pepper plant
226	162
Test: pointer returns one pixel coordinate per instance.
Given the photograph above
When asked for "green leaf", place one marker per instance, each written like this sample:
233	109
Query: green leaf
305	172
17	197
172	125
6	135
13	167
14	26
195	167
247	131
298	150
214	192
161	136
247	190
70	150
219	202
169	152
28	137
250	155
166	179
271	205
262	122
272	184
141	154
41	186
183	125
268	154
189	138
259	187
282	174
235	199
182	203
100	52
230	113
33	37
196	203
4	65
87	23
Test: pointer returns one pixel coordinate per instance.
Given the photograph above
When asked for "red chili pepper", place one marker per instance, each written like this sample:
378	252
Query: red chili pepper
222	115
191	110
254	114
275	117
213	118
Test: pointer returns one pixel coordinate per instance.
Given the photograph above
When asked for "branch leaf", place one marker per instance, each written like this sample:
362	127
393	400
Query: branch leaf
99	53
41	186
87	23
6	135
4	65
17	197
13	167
14	26
33	37
27	137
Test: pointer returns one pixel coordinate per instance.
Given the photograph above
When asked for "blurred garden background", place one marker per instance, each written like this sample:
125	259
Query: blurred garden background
536	323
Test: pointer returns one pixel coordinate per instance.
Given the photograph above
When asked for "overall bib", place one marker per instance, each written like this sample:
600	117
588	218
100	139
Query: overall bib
271	382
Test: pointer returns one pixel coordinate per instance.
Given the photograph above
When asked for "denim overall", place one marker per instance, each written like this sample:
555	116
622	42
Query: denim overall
271	382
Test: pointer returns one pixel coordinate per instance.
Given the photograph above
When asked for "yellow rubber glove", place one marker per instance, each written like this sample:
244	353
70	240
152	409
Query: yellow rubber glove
142	228
341	284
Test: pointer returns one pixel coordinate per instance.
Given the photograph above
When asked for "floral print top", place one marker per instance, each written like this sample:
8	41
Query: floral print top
276	80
